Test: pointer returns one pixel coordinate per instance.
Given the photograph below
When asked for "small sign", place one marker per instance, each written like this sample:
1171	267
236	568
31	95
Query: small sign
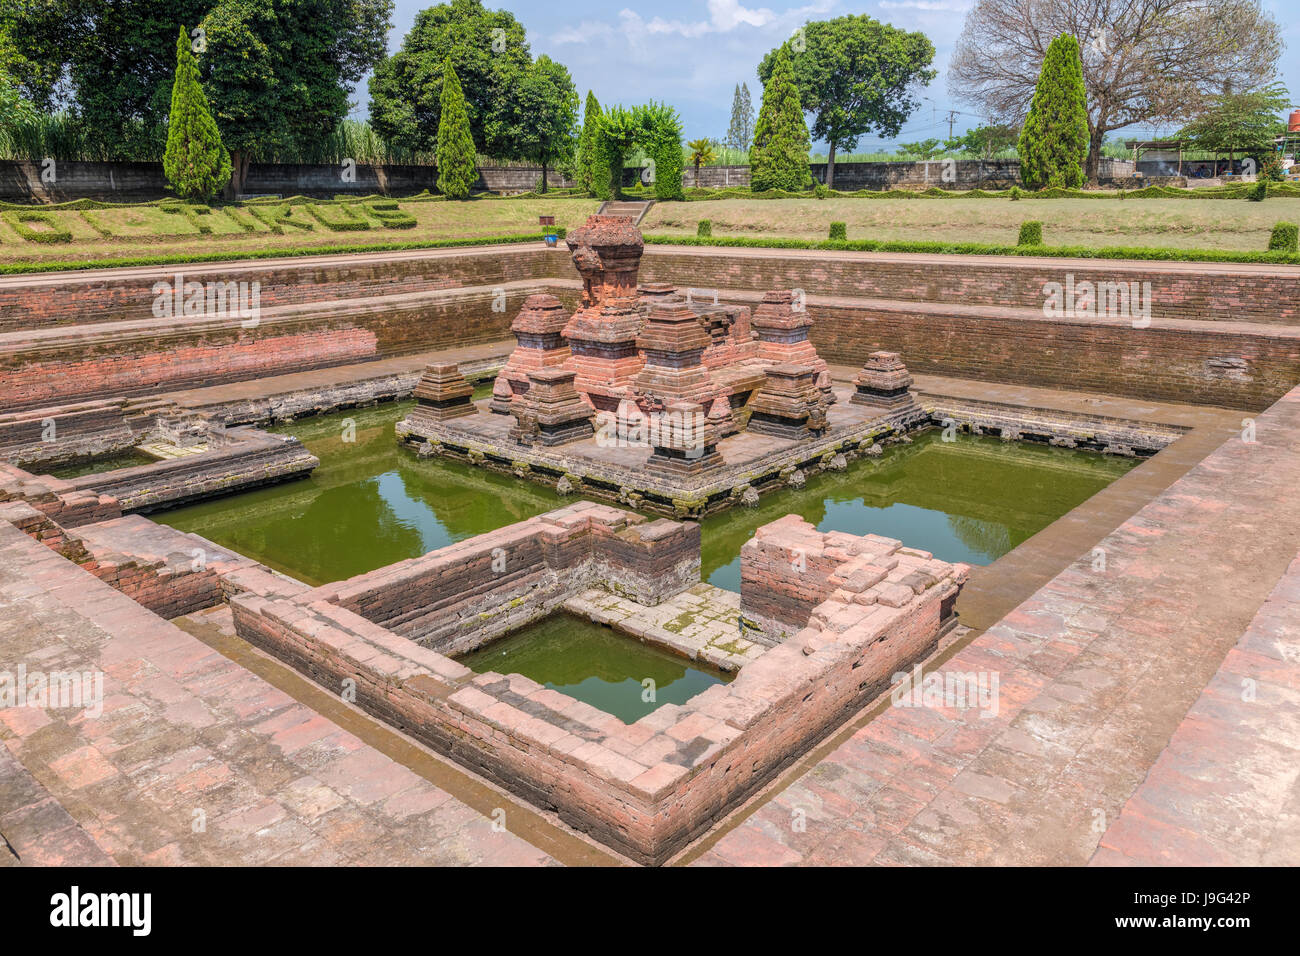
546	220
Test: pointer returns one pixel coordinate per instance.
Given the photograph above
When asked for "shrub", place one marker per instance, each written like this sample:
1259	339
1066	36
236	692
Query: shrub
1285	238
1015	193
822	191
1257	192
705	228
1031	233
19	220
839	231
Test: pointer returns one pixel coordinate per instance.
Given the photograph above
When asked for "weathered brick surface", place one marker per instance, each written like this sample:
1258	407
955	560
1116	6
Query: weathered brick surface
1219	334
646	788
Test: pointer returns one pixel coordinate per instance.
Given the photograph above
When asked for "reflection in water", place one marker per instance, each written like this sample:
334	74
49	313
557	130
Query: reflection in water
371	503
595	665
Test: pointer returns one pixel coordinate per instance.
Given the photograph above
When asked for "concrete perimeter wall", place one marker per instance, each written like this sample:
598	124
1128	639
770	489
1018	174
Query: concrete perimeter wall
23	181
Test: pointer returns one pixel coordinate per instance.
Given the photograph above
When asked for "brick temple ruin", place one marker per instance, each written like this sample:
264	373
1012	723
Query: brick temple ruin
634	394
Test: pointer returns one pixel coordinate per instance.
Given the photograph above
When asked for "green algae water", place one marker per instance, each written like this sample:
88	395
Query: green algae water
371	503
594	664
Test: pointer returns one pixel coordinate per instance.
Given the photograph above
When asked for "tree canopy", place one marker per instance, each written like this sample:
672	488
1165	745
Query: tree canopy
856	75
1053	144
457	158
277	75
196	163
1144	61
1240	122
779	157
488	50
740	131
984	141
541	124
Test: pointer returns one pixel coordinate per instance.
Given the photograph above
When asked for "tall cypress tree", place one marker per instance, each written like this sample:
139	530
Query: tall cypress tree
734	132
779	157
196	163
1053	144
457	159
746	116
587	159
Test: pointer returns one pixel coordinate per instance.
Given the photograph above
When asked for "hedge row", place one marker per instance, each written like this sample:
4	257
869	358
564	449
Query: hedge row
22	268
983	249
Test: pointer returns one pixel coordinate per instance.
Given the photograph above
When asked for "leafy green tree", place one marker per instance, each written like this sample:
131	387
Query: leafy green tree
196	163
618	130
925	149
984	141
277	75
540	124
13	107
406	90
1245	123
779	157
457	158
661	136
856	75
702	152
1053	144
740	133
587	147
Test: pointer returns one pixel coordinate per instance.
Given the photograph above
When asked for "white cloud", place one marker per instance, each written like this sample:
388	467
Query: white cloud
941	6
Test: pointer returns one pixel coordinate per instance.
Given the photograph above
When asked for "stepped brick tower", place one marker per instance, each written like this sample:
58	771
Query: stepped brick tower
883	382
672	342
783	336
442	393
789	405
602	334
538	330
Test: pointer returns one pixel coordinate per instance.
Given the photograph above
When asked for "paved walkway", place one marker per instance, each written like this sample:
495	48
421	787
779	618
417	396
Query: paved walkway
194	759
1096	672
1226	791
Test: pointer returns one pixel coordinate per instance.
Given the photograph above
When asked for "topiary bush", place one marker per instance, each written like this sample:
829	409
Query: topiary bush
839	231
705	228
1031	233
822	191
1257	192
1284	238
1015	193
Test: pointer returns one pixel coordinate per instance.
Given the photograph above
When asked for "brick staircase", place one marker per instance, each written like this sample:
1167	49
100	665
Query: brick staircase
635	209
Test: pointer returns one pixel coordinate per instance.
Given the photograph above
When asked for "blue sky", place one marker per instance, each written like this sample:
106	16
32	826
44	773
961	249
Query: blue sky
692	54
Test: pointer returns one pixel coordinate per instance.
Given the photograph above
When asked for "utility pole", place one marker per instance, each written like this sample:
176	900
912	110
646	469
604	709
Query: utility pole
952	117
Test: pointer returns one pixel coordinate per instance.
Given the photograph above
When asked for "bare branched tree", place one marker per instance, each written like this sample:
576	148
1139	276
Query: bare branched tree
1144	61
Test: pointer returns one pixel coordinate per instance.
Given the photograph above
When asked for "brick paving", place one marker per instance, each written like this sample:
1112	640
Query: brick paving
188	736
1226	791
1097	670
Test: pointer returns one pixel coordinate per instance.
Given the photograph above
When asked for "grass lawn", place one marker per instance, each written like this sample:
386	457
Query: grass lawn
149	231
125	232
1227	224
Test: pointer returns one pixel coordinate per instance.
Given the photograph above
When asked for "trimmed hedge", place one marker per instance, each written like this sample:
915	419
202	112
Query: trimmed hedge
839	230
1285	238
704	228
24	268
983	249
18	222
1031	233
